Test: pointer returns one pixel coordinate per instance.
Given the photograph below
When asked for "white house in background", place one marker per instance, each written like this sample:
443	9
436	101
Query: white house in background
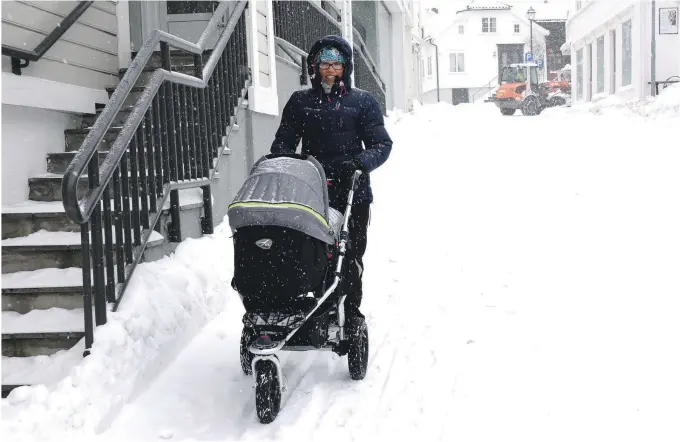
473	46
611	47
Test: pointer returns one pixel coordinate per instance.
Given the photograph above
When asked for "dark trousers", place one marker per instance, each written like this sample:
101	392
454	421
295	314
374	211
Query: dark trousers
354	264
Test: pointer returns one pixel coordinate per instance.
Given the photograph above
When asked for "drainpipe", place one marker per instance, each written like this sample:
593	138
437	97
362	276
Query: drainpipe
436	57
653	48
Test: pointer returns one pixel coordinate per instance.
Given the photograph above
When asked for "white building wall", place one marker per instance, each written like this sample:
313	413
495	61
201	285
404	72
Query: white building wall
479	48
601	18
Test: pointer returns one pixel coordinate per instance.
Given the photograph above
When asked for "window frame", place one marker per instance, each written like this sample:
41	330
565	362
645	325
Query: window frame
455	58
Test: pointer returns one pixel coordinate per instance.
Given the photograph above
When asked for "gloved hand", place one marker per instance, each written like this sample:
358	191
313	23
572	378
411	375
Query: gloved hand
345	169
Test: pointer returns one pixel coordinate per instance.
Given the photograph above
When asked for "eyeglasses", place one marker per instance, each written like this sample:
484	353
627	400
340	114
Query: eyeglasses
336	66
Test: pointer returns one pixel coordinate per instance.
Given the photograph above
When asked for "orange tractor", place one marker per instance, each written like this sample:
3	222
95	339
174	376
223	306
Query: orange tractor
519	89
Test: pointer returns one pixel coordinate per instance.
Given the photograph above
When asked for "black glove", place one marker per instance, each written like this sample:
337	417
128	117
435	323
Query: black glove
346	168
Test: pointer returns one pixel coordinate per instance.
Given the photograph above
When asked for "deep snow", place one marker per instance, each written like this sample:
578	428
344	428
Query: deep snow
521	284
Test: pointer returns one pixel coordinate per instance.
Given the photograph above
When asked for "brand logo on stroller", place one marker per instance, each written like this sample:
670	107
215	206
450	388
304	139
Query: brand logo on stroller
264	243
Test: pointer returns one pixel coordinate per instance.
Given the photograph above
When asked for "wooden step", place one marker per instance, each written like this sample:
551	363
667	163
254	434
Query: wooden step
35	344
59	162
74	138
47	187
42	289
28	217
41	332
118	120
43	249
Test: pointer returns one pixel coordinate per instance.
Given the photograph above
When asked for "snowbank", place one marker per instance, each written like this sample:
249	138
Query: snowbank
665	105
166	304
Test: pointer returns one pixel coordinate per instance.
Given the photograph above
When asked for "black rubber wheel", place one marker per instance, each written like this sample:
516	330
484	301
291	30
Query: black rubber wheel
508	111
530	106
558	101
357	356
247	336
267	392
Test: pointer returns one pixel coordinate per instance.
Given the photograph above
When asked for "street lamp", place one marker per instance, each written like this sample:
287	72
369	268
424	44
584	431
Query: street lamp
531	14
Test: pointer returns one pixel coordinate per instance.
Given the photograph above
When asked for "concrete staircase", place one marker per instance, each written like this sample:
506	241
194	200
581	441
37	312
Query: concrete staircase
42	303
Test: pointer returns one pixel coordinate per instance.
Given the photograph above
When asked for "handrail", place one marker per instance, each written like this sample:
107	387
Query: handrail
325	13
367	56
487	85
664	83
371	69
36	54
80	212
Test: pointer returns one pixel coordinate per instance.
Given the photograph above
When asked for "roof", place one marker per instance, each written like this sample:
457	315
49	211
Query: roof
553	10
485	5
436	24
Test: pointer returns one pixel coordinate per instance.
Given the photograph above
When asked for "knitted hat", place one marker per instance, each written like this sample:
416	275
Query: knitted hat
329	54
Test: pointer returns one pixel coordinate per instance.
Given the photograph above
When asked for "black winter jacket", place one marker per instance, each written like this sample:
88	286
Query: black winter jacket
332	127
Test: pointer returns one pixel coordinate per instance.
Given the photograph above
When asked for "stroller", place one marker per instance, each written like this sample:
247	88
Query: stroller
289	248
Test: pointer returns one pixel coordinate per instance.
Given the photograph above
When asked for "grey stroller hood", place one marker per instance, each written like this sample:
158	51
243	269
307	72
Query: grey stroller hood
286	192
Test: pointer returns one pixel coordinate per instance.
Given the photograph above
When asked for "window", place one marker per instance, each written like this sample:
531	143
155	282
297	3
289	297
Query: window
457	62
461	29
429	65
600	65
612	60
516	29
579	4
579	74
626	54
489	25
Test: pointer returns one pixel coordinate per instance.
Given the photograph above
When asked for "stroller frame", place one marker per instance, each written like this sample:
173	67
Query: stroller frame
266	350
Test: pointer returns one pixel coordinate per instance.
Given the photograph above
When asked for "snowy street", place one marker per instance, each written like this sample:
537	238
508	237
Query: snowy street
521	285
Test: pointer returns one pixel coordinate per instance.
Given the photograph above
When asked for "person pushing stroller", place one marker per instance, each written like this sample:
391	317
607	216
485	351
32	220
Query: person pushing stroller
333	118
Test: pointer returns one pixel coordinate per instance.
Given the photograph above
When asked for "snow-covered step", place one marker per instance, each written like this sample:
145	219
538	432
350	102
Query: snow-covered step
45	249
42	289
42	369
41	332
31	216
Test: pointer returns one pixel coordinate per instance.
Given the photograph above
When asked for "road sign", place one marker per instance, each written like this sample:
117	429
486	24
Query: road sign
529	57
540	63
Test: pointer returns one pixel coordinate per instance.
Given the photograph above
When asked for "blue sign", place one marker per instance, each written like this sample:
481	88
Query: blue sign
529	57
540	63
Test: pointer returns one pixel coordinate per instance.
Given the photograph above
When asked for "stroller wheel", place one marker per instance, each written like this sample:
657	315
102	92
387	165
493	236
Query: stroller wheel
267	391
357	356
247	336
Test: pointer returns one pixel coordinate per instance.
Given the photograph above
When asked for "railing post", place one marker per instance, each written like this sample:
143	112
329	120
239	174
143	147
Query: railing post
97	249
175	232
207	219
87	286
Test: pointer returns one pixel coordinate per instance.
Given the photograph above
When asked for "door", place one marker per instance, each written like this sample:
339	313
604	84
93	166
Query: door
188	19
507	55
459	96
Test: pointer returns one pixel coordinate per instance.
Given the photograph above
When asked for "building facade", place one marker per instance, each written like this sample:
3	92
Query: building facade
472	46
611	46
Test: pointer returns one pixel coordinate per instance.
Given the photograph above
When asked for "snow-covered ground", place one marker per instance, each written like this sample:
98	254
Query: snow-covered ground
521	285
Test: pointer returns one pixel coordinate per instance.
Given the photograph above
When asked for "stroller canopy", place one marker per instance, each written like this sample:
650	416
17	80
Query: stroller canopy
286	192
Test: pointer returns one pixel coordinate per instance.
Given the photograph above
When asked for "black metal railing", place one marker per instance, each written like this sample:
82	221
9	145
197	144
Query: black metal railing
36	54
171	140
661	85
302	23
366	77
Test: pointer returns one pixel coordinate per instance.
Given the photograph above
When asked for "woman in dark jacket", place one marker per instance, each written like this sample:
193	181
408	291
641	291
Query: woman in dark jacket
333	119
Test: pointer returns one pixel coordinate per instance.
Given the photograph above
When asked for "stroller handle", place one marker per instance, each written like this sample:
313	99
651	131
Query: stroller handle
355	179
